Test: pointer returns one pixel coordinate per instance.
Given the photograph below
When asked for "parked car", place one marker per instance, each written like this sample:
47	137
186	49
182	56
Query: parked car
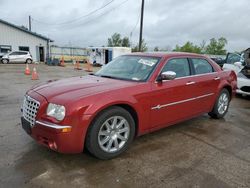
130	96
220	61
242	69
17	57
1	55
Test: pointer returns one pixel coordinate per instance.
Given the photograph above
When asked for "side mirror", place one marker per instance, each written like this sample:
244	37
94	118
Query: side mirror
168	75
238	64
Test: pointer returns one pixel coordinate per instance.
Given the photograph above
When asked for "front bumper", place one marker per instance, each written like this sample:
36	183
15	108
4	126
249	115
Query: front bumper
56	137
68	136
243	85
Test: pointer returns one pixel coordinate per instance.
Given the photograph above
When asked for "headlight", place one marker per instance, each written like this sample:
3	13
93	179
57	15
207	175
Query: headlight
56	111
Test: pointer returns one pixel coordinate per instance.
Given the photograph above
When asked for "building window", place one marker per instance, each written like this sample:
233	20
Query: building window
5	49
24	48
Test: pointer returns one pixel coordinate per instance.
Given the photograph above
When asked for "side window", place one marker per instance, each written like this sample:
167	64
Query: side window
14	53
179	66
24	48
201	66
5	49
232	58
22	53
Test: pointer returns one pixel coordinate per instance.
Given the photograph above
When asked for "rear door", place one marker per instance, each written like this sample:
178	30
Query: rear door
173	100
206	81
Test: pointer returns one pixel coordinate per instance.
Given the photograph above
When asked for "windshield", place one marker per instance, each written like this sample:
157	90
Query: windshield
137	68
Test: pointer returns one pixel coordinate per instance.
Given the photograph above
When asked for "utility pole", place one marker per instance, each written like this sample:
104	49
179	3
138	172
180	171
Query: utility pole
29	23
141	26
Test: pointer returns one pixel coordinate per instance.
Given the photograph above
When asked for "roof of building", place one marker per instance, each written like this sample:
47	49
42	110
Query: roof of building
25	30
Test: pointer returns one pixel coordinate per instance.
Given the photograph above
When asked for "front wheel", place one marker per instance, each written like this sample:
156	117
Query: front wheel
111	133
5	61
221	106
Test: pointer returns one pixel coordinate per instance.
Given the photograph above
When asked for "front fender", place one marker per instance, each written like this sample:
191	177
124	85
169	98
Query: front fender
138	104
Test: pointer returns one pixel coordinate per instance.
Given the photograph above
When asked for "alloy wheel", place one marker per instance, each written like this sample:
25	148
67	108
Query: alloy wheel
113	134
223	103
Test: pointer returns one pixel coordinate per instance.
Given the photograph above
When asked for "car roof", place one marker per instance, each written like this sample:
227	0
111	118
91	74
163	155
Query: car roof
168	54
19	51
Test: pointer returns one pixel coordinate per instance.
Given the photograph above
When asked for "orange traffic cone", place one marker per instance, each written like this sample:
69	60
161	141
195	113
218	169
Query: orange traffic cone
62	63
34	74
77	65
27	70
89	67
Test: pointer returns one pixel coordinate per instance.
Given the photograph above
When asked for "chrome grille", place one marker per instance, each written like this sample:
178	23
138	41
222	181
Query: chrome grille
30	108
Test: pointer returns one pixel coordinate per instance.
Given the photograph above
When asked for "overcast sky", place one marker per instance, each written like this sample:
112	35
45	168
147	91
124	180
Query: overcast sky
166	22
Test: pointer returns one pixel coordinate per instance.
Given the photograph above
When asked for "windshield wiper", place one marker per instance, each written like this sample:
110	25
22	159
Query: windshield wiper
106	76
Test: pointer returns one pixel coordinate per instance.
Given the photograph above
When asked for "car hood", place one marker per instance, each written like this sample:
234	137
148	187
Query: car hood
77	87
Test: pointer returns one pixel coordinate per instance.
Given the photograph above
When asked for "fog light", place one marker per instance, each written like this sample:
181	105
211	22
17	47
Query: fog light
52	145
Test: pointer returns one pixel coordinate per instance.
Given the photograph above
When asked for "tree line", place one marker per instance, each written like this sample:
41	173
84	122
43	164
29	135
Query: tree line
215	46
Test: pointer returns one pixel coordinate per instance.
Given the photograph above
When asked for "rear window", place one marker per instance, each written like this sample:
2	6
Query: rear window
201	66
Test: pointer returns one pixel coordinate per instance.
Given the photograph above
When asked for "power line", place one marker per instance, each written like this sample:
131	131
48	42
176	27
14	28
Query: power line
138	19
76	19
100	15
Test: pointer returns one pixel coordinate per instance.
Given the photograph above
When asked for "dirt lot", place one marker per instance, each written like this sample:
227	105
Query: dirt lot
201	152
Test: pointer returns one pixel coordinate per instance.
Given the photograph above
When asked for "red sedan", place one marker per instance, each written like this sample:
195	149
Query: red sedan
132	95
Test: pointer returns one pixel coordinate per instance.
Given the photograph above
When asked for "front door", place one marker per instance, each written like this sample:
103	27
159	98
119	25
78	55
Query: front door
174	100
13	57
41	54
21	57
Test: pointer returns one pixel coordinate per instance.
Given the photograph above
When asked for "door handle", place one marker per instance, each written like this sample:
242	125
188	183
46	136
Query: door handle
217	78
190	83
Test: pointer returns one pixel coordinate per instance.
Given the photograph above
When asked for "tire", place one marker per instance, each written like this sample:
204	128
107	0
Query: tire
28	61
221	105
106	141
5	61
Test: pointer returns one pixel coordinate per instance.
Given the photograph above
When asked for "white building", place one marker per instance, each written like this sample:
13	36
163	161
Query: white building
103	55
15	38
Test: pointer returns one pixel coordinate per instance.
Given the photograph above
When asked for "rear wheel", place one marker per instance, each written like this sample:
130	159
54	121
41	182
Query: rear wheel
5	61
28	61
111	133
221	106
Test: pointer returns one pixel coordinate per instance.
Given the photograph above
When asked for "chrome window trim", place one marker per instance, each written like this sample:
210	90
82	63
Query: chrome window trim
190	70
158	107
195	75
52	125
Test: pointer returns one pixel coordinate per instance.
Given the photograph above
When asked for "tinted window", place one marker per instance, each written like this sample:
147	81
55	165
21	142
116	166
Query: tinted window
179	66
5	49
24	48
201	66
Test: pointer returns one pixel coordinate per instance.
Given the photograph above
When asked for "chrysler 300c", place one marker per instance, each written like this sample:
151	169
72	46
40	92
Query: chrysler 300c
130	96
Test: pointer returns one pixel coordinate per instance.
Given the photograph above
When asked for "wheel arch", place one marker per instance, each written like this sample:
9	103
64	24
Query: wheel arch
5	59
125	106
230	90
28	59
